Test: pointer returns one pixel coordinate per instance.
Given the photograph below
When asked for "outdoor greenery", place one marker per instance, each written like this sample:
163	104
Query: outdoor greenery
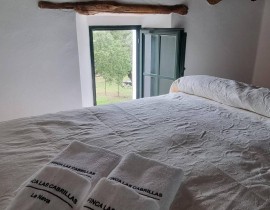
111	95
113	57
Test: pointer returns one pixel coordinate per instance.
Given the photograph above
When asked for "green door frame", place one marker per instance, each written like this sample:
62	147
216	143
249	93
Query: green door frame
92	58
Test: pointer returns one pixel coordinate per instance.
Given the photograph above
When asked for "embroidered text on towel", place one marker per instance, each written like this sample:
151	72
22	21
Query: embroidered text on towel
141	189
40	197
56	188
74	168
98	204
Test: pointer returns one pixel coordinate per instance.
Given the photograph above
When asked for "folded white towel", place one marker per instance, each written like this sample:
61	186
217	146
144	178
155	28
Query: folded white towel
110	195
91	162
149	178
52	188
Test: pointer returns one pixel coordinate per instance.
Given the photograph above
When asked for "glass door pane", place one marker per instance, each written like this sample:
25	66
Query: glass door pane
168	56
150	86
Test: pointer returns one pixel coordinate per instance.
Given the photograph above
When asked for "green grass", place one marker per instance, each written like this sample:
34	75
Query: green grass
125	93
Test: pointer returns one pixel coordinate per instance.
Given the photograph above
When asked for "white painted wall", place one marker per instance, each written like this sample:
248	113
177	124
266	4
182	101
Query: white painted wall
39	68
84	60
39	63
83	23
222	39
261	75
134	64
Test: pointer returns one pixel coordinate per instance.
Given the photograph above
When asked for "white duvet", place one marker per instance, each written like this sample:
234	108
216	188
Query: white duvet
225	91
224	151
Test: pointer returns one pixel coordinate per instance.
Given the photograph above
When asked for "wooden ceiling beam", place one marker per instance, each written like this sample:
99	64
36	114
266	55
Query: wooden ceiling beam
94	7
213	1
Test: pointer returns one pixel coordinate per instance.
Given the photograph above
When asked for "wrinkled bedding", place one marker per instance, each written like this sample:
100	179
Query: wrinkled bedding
224	151
225	91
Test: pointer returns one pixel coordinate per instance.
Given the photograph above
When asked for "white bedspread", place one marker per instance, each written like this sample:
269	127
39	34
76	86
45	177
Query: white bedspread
225	91
224	151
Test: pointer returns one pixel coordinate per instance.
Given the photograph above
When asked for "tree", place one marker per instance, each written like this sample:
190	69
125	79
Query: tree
102	57
113	55
126	37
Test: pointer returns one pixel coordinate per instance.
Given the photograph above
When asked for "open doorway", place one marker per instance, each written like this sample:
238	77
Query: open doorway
128	62
114	59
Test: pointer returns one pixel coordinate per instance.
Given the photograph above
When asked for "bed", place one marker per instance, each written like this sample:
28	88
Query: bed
216	130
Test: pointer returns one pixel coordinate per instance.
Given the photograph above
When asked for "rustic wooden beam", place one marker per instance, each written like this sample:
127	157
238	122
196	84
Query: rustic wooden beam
213	1
94	7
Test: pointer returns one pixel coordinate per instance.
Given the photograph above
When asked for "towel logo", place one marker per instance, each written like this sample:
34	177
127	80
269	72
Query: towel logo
56	188
40	197
79	170
140	189
99	204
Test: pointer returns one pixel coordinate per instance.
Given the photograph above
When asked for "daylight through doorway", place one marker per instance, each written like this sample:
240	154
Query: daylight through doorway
115	65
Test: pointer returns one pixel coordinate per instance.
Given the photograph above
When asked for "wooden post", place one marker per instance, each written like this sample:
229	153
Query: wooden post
94	7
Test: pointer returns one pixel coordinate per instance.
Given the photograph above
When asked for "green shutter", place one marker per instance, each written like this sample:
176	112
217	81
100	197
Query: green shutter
162	57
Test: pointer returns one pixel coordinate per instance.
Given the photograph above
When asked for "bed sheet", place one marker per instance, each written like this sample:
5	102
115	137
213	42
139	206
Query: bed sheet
224	151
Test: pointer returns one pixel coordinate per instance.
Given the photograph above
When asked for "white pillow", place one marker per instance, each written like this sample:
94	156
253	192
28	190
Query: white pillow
229	92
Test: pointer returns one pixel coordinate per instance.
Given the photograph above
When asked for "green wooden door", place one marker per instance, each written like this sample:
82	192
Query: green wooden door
162	57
